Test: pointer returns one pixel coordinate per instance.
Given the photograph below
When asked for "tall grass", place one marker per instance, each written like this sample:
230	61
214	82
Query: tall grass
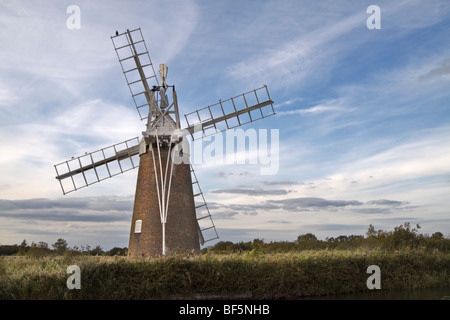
253	274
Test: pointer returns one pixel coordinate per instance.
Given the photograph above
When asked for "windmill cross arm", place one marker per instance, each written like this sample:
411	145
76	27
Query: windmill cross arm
137	68
120	155
192	128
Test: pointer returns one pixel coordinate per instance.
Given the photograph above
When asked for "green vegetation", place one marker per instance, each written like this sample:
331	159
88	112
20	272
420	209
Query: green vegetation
60	247
252	274
276	270
402	237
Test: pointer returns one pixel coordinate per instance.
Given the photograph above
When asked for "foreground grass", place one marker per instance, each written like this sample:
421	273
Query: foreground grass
255	275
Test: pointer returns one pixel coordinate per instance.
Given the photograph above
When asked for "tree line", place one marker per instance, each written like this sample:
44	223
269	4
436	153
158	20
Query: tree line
60	247
403	236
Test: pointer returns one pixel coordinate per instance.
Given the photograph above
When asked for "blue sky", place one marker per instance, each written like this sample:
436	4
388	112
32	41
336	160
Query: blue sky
363	115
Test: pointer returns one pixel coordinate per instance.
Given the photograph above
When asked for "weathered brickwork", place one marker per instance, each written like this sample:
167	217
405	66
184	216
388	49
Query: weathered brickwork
181	226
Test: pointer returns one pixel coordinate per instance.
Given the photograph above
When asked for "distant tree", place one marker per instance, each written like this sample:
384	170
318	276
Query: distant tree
8	250
376	234
437	236
242	246
223	246
342	238
371	232
282	246
24	244
60	246
307	236
308	241
258	242
23	248
338	239
402	236
97	251
116	251
42	245
38	250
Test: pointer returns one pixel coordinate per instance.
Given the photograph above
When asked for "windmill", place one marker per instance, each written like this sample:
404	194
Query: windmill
170	212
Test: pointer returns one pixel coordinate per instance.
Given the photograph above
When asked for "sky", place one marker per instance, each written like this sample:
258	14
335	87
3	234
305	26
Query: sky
361	127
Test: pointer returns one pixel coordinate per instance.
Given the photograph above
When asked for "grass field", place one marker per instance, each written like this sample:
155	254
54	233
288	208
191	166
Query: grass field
251	275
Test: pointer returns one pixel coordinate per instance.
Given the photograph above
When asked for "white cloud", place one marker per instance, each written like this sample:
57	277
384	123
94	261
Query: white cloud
7	95
288	102
303	58
427	155
312	55
31	149
328	106
99	120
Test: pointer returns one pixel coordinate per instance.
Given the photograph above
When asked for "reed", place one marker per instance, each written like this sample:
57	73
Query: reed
251	274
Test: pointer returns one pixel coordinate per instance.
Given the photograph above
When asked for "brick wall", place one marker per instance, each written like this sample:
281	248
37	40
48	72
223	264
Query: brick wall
181	226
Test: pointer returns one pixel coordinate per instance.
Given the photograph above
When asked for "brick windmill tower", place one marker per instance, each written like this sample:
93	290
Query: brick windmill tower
170	214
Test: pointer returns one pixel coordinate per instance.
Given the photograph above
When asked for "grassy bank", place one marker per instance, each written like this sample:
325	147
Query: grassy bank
252	274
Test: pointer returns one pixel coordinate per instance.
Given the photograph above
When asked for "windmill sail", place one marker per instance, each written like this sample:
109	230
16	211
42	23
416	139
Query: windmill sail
230	113
206	228
137	68
90	168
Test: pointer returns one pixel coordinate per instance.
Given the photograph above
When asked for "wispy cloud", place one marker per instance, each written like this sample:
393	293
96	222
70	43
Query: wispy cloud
38	206
308	204
288	102
384	202
426	155
291	204
328	106
74	219
442	72
296	59
251	191
284	183
31	149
